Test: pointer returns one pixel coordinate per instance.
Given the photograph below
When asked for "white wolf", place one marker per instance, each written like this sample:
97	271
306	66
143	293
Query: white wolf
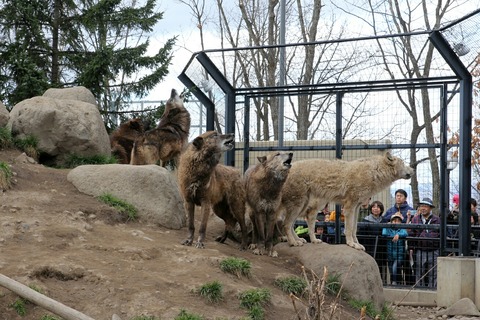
311	184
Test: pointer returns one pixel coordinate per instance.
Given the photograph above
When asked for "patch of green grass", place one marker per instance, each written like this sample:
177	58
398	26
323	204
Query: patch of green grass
74	160
256	313
125	208
6	175
385	314
293	284
49	317
236	266
212	291
184	315
6	140
20	306
254	298
333	284
28	144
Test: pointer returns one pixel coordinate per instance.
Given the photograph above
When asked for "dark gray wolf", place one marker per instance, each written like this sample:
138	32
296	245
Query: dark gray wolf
263	185
168	139
311	184
122	139
206	183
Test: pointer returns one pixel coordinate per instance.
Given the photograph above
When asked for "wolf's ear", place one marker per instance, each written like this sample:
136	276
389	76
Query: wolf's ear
389	156
198	142
135	124
262	159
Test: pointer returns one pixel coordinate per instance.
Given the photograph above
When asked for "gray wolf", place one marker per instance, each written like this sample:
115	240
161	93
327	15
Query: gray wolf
122	139
311	184
206	183
168	139
263	186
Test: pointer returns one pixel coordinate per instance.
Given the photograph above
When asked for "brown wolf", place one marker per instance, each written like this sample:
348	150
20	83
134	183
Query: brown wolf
206	183
263	185
122	139
168	139
311	184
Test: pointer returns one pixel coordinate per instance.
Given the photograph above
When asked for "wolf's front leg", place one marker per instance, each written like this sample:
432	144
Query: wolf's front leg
206	207
190	210
350	231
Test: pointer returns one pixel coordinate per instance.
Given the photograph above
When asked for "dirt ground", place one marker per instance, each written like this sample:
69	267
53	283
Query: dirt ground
76	251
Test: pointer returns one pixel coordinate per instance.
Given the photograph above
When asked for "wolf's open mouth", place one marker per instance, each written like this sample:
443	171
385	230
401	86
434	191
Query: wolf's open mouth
229	143
288	163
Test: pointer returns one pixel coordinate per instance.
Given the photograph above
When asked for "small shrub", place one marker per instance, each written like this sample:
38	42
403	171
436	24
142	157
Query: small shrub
212	291
74	160
28	145
20	307
254	298
184	315
292	284
6	175
236	266
5	138
125	208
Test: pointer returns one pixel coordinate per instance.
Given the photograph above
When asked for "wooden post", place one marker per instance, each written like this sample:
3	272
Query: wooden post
41	300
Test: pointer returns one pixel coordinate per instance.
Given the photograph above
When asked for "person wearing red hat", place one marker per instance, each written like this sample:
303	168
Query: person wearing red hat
452	217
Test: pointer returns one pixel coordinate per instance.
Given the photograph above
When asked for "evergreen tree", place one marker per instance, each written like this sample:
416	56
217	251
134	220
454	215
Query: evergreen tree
100	44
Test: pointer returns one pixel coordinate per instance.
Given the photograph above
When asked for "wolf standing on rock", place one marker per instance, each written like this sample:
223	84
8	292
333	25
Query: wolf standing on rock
311	184
206	183
263	185
168	139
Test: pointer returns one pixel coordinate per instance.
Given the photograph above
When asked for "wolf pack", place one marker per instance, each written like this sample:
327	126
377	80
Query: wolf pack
266	200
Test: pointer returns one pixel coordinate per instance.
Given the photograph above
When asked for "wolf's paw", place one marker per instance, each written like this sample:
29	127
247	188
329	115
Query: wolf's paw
257	252
273	254
199	245
355	245
187	242
296	243
316	241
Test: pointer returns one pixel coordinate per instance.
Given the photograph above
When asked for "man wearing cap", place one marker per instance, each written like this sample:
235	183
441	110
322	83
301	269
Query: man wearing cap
427	246
400	205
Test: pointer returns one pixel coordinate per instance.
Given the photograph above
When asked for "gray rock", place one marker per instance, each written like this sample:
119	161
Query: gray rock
62	127
153	190
357	269
463	307
74	93
4	115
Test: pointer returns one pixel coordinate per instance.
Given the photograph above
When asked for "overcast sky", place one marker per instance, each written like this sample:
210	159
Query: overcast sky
178	21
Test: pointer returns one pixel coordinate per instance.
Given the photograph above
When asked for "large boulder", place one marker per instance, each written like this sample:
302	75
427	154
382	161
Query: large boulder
4	115
151	189
74	93
62	127
357	269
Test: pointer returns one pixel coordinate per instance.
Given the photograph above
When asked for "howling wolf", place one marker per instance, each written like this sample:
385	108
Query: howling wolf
206	183
263	185
168	139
